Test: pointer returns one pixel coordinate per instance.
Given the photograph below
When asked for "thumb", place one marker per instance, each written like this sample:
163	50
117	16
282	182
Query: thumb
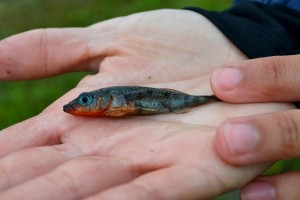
267	79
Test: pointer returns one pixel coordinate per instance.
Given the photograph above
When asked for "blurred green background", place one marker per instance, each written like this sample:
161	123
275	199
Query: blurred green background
21	100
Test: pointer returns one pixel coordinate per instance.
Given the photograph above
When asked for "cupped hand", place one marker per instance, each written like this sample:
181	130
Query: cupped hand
58	156
266	137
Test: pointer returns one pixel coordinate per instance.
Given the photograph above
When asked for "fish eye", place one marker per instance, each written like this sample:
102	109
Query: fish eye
85	99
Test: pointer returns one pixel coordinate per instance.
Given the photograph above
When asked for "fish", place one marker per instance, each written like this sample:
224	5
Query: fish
119	101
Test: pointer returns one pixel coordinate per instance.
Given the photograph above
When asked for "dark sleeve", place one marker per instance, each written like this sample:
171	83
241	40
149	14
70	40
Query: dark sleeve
259	30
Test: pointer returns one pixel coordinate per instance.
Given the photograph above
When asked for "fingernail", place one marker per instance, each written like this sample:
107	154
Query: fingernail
258	190
226	79
240	138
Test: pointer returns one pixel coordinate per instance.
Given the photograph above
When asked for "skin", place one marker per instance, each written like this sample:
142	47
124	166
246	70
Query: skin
163	157
265	137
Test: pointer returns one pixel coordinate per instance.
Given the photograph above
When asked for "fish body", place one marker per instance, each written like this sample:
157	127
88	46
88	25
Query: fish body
133	100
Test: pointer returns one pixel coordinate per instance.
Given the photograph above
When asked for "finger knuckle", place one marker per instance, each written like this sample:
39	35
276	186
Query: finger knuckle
279	73
290	135
275	67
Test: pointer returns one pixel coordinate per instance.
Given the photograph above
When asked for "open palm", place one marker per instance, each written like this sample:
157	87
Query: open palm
171	156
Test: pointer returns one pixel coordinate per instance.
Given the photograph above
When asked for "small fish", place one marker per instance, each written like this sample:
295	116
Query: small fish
121	101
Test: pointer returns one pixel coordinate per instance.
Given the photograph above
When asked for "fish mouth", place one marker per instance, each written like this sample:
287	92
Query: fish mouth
68	108
73	109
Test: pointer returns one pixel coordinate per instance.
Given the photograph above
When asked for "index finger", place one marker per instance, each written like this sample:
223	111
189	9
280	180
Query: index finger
47	52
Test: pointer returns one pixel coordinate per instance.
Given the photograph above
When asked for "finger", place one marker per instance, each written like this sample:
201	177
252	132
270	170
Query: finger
74	180
259	80
27	164
169	183
42	53
33	132
261	138
279	187
47	52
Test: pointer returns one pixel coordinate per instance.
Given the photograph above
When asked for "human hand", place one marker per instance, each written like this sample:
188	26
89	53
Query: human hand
267	137
171	156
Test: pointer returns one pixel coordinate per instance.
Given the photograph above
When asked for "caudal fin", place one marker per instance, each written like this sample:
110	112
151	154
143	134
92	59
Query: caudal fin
198	100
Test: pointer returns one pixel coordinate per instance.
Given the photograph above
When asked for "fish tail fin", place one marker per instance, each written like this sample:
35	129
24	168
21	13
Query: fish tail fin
198	100
211	98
